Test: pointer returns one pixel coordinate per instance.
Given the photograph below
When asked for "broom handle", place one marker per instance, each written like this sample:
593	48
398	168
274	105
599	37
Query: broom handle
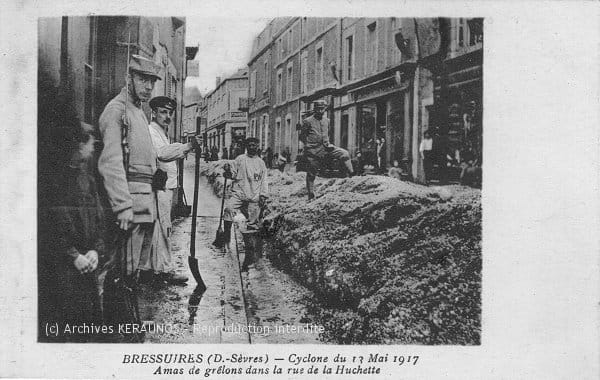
222	203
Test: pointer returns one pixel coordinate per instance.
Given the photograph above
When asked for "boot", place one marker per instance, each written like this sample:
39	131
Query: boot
349	168
174	278
227	232
310	186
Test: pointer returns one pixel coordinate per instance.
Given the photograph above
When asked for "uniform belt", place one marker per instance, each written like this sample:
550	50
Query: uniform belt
140	177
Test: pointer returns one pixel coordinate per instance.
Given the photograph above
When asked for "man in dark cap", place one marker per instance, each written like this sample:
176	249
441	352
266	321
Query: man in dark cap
314	134
160	266
128	182
249	189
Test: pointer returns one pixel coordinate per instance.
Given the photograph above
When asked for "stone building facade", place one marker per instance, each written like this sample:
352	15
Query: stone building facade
386	79
88	54
86	57
226	124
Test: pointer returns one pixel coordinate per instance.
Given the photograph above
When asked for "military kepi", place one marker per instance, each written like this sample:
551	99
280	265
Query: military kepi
320	104
144	66
164	102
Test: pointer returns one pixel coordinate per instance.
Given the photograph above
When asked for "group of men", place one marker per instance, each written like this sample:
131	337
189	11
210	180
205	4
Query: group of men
133	152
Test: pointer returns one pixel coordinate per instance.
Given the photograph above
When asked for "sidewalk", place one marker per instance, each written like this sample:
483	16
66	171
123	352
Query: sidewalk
222	303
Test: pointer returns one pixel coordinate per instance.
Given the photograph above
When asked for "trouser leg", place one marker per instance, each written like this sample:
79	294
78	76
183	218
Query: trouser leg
232	207
137	247
227	230
343	156
253	214
310	185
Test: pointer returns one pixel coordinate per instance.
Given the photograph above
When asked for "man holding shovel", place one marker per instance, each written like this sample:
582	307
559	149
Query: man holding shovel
248	191
160	266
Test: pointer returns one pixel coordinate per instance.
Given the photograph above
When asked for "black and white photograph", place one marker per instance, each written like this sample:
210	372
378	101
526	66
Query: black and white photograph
326	191
300	189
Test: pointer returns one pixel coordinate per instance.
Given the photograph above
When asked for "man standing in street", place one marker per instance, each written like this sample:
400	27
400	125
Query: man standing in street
426	151
160	265
314	135
249	189
128	183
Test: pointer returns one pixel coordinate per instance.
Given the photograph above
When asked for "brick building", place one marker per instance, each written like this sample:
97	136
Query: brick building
226	124
389	78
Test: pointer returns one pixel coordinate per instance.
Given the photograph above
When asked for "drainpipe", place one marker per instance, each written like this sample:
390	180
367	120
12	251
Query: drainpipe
183	74
417	164
338	130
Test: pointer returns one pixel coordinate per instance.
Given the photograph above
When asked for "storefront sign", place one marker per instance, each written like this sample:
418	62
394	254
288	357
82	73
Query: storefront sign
235	115
378	89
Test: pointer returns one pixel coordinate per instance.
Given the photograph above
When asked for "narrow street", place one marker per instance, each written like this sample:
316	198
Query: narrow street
268	301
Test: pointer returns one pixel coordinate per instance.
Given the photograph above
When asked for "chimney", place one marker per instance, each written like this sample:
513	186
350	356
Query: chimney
218	82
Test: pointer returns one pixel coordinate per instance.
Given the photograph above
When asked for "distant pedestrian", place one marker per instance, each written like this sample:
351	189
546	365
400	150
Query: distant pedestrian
280	162
381	155
225	154
287	154
426	151
357	163
269	157
395	171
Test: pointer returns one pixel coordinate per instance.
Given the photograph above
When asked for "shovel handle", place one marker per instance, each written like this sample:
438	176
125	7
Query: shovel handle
195	206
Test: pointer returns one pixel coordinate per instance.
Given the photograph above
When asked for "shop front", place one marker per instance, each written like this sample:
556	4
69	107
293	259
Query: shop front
382	123
459	128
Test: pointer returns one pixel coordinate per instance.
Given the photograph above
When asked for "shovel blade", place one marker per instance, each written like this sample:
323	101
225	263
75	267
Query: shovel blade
219	239
193	263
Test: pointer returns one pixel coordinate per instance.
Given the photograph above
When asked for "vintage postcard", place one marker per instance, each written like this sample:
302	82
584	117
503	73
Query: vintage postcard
308	193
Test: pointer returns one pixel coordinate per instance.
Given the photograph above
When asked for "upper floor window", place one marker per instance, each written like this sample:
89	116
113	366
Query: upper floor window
349	57
319	66
289	80
279	85
304	29
266	73
304	72
279	50
371	56
396	55
252	84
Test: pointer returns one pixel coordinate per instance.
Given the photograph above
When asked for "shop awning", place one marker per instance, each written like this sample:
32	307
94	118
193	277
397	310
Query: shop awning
327	91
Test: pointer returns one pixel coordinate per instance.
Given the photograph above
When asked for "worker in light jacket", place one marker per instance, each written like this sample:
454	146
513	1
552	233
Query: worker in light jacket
249	190
160	266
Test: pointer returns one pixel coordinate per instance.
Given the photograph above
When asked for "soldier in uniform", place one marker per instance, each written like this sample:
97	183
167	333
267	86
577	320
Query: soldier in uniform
130	192
314	134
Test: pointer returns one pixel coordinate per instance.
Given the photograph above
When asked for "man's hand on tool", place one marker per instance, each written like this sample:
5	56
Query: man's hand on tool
262	201
227	171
